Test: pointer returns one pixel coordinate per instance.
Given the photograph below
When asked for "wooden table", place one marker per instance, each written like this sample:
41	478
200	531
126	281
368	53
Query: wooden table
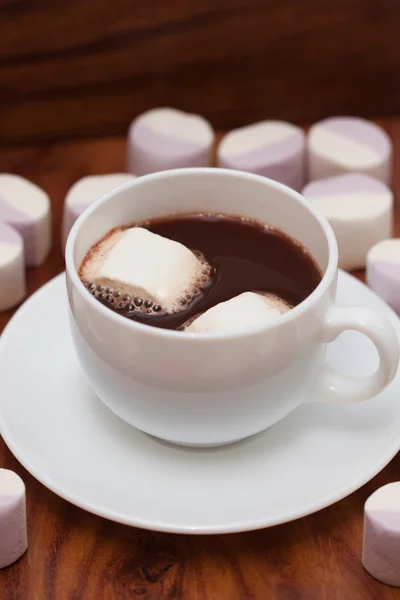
74	555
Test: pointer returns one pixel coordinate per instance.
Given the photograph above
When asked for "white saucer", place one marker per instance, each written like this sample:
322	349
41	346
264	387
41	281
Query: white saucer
67	439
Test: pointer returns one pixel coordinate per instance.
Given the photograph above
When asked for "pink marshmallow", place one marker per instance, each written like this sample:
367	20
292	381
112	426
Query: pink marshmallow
383	271
381	550
165	138
13	534
274	149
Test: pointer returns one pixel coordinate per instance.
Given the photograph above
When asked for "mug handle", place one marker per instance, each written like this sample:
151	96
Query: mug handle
337	388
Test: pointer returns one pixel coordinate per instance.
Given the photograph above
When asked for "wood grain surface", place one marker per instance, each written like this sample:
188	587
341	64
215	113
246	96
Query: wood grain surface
88	67
74	555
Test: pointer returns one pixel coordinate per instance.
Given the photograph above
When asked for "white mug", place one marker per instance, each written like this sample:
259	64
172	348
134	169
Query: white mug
210	389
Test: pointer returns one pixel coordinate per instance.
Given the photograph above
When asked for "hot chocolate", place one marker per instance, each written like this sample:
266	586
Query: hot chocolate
213	259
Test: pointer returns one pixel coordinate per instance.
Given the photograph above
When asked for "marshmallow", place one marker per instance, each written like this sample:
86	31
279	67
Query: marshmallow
341	144
246	310
12	267
13	535
86	191
381	550
26	207
274	149
383	271
359	209
139	263
165	138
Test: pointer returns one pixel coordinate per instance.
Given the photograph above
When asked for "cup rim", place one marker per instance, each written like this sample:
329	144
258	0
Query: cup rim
142	328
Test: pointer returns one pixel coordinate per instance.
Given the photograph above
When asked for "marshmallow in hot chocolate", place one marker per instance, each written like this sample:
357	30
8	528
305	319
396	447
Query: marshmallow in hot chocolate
141	264
249	309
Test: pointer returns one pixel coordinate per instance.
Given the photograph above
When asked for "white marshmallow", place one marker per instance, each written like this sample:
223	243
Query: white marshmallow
246	310
166	138
274	149
26	207
359	209
381	550
12	267
141	263
13	534
86	191
343	144
383	271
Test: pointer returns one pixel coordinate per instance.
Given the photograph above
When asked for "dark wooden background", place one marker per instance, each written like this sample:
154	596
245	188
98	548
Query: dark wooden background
88	67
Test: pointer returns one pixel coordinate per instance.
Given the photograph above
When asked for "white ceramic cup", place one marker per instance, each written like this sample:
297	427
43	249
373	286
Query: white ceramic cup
210	389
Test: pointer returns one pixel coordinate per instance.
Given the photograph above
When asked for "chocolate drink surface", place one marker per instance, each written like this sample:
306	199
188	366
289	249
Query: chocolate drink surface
244	256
